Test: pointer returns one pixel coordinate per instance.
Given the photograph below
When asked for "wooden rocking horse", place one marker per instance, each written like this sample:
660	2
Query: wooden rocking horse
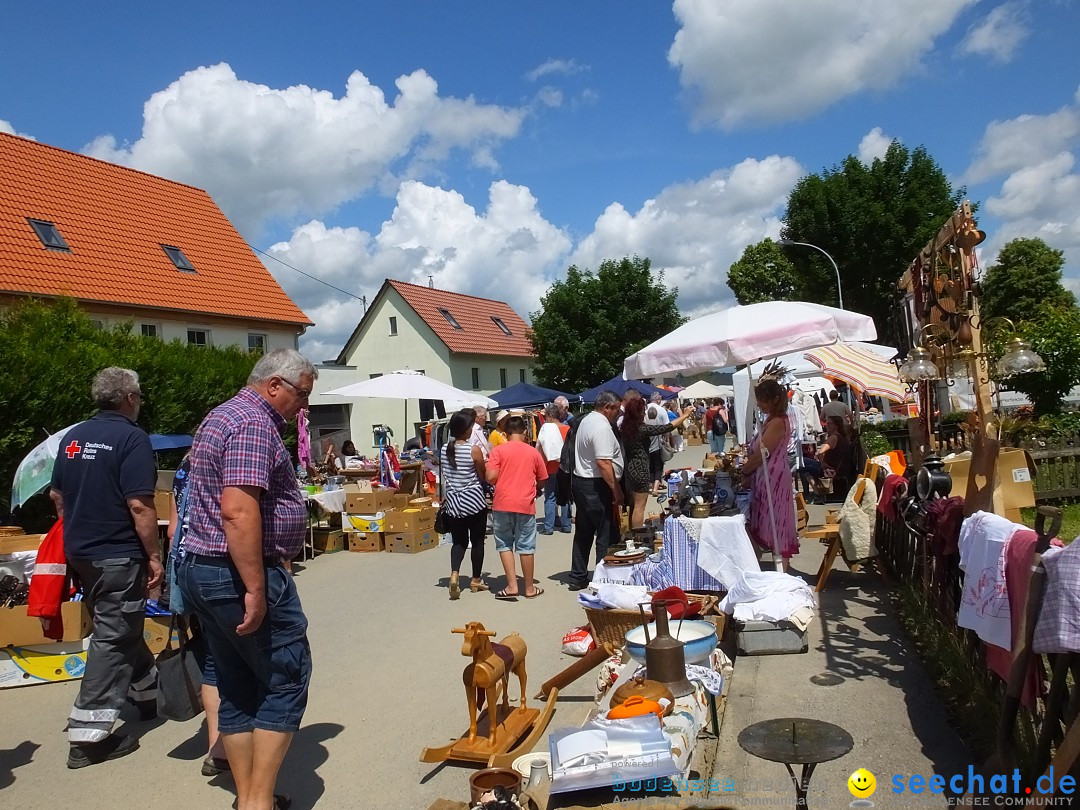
496	732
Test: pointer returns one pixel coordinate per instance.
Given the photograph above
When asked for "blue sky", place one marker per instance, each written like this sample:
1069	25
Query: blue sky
490	145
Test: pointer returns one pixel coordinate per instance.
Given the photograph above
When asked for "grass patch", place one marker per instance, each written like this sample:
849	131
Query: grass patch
1070	520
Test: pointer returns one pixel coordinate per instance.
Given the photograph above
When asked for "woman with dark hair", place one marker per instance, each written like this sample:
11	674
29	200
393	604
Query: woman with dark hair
772	516
463	469
835	459
636	437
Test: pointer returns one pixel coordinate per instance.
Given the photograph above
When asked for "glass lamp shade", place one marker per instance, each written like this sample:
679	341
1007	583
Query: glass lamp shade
1019	358
919	367
961	364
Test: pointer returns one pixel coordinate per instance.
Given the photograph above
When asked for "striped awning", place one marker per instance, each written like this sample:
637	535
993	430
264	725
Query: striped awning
862	368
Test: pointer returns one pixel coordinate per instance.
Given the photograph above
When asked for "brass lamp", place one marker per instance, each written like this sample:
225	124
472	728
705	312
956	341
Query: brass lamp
1019	358
919	367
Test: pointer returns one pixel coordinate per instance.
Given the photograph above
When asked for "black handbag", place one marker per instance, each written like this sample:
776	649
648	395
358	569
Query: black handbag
440	521
180	673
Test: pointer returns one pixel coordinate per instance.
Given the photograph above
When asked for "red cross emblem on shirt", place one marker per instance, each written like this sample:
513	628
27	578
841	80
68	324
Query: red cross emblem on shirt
73	449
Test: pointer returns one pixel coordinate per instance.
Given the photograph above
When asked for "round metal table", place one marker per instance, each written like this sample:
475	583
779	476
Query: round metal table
796	741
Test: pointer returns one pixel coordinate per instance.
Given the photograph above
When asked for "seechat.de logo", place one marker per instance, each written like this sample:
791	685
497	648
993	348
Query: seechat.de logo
862	785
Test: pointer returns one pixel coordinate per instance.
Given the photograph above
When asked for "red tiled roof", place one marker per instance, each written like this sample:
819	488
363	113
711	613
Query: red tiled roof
479	334
115	220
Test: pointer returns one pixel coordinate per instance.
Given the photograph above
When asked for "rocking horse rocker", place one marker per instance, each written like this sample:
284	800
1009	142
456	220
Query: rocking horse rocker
498	734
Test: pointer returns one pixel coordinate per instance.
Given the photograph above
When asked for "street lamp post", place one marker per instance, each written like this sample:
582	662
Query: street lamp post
839	292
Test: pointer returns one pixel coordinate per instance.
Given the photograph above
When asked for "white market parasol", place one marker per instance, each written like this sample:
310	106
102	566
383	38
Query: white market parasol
745	334
408	385
35	471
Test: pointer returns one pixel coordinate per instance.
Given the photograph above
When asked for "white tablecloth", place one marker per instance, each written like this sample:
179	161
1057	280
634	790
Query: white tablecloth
330	502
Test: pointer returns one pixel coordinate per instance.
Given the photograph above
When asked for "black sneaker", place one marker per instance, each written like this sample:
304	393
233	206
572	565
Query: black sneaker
112	747
578	586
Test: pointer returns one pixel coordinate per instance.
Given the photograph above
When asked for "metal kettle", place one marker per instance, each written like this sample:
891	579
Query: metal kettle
665	657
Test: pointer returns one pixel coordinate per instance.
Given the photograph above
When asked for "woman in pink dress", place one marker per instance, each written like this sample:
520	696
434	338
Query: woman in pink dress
772	528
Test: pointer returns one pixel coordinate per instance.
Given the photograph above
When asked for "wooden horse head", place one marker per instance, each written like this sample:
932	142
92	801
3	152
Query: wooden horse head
475	638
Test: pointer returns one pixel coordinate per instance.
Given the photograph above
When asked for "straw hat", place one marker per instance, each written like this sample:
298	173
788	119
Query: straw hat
501	416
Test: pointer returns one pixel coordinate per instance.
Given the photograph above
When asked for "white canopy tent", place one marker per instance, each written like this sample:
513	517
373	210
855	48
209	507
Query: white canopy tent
706	390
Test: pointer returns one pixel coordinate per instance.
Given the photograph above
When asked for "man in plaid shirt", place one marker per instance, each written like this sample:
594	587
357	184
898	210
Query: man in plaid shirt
245	519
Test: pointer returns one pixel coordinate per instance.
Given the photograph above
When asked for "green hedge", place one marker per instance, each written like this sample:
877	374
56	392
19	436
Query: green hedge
50	353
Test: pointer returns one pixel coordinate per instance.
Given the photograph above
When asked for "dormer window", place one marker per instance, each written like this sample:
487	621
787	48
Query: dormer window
450	318
49	235
499	323
176	255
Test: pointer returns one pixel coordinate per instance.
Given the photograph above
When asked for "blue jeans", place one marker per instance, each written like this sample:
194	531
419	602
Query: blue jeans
514	532
551	508
262	677
717	442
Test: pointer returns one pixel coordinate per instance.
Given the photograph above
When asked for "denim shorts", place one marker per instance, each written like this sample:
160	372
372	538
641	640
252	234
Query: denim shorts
262	678
514	532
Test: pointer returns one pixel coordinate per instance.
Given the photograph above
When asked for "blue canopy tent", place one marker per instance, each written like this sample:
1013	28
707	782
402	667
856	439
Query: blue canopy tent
621	386
525	395
161	441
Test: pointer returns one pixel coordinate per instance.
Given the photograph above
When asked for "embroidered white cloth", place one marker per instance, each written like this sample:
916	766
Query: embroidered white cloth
769	596
984	604
724	548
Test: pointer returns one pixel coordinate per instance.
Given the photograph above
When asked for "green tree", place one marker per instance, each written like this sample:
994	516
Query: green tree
589	323
1024	281
763	273
873	220
51	352
1054	332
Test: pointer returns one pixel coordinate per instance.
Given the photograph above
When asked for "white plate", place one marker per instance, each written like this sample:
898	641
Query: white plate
627	553
523	764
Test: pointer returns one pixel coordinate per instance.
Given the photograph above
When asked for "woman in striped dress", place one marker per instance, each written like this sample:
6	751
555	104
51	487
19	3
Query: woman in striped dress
462	468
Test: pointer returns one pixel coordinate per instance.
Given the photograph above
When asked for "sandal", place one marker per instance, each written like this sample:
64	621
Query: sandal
281	802
504	595
455	586
212	766
538	592
478	585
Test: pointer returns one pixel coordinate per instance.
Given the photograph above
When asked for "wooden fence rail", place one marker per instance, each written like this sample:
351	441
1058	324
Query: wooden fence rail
937	582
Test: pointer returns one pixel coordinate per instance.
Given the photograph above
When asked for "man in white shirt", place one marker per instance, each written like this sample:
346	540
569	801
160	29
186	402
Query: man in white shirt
656	414
597	492
478	438
836	407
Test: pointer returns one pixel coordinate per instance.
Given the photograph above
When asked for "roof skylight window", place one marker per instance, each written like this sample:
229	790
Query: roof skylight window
49	235
499	323
450	318
176	255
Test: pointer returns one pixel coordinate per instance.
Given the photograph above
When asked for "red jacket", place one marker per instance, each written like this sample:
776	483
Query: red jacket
50	585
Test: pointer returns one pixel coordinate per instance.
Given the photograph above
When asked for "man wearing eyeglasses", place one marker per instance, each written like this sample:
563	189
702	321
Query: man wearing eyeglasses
245	520
103	487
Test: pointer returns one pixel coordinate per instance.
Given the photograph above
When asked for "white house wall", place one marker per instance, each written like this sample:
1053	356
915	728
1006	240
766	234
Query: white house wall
222	333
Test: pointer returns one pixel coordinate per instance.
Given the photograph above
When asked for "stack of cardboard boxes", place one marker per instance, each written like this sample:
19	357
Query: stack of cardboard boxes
383	520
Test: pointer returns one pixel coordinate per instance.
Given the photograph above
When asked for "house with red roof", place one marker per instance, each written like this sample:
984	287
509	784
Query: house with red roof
475	344
132	247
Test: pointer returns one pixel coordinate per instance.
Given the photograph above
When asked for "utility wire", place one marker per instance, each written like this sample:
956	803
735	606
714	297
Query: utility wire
308	275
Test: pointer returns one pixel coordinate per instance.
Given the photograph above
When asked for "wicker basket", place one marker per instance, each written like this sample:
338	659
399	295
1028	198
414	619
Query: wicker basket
609	626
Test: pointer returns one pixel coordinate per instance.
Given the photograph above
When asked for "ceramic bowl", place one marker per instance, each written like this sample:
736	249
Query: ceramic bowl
698	636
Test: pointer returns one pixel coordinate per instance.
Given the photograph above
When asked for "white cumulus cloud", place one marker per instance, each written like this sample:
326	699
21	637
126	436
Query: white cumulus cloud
507	251
765	61
560	67
266	153
1010	145
695	231
874	145
999	34
9	128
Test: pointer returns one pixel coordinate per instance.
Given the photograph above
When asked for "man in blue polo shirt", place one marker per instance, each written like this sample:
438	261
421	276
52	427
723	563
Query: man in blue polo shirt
103	486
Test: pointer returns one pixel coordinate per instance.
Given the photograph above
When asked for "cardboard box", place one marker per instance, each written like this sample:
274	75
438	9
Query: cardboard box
399	501
13	543
42	663
411	542
165	480
366	541
410	520
363	523
163	504
419	503
1013	473
156	633
17	629
368	503
327	541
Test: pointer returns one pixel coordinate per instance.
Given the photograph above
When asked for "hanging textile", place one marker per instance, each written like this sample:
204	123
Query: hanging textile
303	439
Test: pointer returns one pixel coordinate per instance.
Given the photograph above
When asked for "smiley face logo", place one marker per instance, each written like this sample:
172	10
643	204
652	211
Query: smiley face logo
862	784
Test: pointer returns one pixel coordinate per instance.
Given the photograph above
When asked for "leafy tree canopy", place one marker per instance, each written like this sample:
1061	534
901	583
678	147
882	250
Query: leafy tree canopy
51	352
873	220
764	273
589	323
1054	333
1025	280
